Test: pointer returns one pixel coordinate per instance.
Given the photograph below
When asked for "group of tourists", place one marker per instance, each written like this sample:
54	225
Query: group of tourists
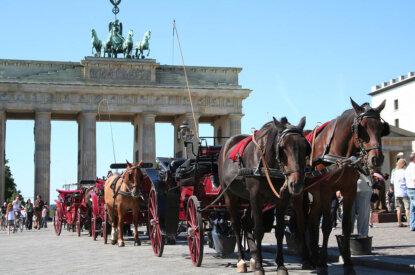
15	214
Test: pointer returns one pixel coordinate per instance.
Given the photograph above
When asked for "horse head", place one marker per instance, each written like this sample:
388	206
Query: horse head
93	33
147	35
368	129
133	176
291	150
130	34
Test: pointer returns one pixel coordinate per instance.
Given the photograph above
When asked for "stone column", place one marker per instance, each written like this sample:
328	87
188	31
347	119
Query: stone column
235	124
149	138
221	129
138	137
42	154
2	155
87	147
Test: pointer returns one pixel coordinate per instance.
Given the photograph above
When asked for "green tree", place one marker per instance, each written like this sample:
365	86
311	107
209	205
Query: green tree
11	188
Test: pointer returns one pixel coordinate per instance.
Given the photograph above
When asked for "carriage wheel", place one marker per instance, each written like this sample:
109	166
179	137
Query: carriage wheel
156	237
105	228
195	234
93	227
57	221
78	223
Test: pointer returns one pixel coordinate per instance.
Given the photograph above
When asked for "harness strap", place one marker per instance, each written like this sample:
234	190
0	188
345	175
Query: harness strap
266	169
327	148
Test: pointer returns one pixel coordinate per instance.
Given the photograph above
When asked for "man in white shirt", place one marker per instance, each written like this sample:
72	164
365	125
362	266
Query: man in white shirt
410	183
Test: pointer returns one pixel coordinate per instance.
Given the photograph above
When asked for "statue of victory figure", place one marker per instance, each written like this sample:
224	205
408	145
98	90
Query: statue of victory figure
114	43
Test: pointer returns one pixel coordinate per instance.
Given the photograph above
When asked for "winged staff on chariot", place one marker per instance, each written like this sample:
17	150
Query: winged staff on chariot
116	43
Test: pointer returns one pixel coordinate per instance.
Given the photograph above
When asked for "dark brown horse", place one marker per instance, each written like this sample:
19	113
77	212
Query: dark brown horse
284	147
122	193
356	134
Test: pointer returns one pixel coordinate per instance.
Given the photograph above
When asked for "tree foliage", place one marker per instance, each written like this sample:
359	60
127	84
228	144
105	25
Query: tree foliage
11	187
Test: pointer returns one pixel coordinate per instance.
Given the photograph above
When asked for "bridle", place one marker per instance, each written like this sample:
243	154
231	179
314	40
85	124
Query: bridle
135	186
355	130
281	136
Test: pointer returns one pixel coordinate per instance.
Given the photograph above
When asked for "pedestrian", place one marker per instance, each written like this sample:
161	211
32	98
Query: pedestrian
10	217
361	206
410	184
23	215
400	189
44	217
3	221
29	212
38	207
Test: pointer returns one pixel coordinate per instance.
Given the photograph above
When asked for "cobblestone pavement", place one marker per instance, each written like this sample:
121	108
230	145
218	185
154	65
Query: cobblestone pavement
42	252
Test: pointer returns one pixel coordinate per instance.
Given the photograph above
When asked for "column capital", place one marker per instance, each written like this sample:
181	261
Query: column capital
238	116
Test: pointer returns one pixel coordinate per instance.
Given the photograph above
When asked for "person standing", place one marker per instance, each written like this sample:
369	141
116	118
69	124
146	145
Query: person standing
3	221
44	217
29	211
10	217
38	211
361	206
400	189
410	184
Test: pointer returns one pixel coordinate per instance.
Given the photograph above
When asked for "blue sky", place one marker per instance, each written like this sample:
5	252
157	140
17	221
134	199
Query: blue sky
299	58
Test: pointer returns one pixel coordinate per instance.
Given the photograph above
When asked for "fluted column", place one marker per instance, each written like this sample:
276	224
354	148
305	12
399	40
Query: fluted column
138	137
235	124
2	155
149	137
42	154
87	147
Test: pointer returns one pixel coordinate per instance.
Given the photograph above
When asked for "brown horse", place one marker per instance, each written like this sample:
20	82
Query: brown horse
122	193
284	148
356	134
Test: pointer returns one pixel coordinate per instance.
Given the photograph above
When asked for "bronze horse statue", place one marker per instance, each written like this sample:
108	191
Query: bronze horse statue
355	134
285	148
122	193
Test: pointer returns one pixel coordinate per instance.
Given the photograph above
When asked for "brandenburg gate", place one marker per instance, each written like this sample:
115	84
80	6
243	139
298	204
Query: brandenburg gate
139	91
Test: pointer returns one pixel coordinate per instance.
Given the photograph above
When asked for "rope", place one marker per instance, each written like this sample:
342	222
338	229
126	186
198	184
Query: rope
109	117
187	81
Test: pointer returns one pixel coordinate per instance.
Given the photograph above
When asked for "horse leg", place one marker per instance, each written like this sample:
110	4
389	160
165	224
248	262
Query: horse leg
300	234
114	236
232	205
347	229
256	204
279	235
135	220
120	226
326	198
313	222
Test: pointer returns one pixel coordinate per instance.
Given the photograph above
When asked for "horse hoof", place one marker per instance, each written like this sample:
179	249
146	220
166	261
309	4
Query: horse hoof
241	266
121	244
282	270
307	266
259	272
252	264
322	271
349	270
137	243
113	242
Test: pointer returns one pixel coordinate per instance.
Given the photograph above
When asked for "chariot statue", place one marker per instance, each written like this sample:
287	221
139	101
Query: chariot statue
114	43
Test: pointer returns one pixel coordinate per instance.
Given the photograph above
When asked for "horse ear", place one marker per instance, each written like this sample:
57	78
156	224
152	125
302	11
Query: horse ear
128	164
381	106
276	122
302	123
356	107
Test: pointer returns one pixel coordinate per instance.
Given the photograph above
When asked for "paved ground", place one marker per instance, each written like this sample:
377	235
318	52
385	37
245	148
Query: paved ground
42	252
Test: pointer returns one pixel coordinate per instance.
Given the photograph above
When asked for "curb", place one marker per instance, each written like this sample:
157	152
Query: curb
374	261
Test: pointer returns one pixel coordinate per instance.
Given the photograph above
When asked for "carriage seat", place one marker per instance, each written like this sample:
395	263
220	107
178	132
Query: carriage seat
176	164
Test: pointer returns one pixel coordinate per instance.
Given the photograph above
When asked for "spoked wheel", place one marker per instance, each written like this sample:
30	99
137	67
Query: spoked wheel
156	237
78	223
105	228
57	221
93	227
195	234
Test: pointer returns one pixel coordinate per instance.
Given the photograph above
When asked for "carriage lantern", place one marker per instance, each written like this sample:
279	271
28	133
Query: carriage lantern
185	132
